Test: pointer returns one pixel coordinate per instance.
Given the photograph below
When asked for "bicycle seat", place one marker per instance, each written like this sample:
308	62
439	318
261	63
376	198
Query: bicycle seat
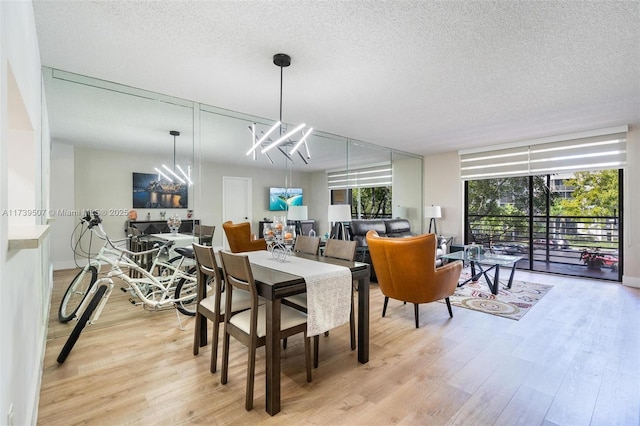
185	251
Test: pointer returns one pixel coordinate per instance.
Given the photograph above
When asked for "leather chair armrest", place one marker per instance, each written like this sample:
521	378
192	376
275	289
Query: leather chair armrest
448	275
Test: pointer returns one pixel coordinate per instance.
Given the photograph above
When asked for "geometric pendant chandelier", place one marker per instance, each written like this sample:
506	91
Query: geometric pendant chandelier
288	143
186	176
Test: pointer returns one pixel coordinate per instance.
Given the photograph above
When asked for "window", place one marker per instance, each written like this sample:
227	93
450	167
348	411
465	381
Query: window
566	223
368	190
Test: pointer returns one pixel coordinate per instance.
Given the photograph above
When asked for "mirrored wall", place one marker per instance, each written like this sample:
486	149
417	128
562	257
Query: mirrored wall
102	133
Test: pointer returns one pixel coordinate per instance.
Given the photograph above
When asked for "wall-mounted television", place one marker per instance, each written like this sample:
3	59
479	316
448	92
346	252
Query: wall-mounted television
281	198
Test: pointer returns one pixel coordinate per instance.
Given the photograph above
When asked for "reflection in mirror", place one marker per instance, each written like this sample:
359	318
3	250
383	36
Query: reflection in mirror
370	180
101	134
225	139
408	189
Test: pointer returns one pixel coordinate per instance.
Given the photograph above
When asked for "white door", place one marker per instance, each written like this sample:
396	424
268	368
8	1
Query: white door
236	201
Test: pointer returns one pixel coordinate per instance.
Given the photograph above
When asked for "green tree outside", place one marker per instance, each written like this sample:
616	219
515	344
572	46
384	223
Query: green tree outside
371	203
499	208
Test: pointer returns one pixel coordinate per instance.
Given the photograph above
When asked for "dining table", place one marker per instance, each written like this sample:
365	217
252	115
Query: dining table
273	285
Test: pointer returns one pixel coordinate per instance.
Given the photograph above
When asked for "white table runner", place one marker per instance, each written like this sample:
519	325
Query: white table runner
328	288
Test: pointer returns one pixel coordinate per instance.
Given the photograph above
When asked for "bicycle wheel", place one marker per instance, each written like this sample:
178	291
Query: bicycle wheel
189	290
76	292
84	318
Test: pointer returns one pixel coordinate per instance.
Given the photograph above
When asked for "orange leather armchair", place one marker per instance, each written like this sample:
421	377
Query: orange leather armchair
406	270
239	237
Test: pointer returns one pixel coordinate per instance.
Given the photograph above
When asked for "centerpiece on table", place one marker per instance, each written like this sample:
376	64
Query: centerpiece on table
174	223
280	238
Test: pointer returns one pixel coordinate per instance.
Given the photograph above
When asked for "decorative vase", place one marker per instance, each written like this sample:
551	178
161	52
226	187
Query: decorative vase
280	239
174	223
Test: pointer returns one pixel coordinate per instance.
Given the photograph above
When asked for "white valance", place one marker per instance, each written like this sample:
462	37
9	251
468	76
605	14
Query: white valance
368	177
593	150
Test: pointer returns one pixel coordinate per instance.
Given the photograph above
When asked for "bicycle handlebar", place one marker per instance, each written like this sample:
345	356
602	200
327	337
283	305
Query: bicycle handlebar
97	221
91	221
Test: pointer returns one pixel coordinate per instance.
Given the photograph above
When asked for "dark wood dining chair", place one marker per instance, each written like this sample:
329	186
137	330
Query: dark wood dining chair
204	233
138	243
306	244
249	327
337	249
345	250
212	306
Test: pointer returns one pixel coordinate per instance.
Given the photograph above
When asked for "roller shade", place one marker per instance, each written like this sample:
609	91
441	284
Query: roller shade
592	151
369	177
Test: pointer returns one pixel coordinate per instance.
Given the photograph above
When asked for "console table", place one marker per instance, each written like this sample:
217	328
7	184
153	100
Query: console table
307	225
148	227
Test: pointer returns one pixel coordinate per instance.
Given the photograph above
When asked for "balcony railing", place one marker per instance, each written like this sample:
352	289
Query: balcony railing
552	240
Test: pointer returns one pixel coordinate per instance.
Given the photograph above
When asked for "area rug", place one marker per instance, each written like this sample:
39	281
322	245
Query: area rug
511	303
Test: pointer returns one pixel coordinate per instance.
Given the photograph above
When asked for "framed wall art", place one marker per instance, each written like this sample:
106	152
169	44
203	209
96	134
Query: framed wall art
151	191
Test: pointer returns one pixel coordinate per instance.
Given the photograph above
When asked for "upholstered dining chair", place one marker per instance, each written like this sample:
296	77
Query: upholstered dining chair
337	249
249	327
346	250
204	233
239	237
306	244
406	270
138	243
212	306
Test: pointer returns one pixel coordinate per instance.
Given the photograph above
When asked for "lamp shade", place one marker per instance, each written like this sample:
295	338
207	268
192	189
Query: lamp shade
339	213
433	212
297	213
401	212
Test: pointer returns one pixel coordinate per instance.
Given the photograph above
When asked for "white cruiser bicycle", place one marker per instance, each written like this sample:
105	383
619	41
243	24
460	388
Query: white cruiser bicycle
175	286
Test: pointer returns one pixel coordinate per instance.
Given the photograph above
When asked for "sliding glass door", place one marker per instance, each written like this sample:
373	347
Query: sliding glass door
563	223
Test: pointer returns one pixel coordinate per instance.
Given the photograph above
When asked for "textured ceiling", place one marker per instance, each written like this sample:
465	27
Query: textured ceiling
420	76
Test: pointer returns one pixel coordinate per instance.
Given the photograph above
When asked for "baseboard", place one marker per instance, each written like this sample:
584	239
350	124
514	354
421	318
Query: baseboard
631	281
67	264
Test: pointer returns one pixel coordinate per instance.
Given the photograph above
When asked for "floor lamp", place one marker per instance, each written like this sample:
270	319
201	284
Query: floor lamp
296	214
433	212
337	215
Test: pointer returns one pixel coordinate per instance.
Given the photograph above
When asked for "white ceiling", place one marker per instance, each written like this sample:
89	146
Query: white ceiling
420	76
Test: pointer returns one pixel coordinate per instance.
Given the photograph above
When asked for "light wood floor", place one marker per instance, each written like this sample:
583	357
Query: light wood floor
574	359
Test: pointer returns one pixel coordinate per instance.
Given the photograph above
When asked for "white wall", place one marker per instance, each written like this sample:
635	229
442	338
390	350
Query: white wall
25	280
407	182
62	199
631	273
443	187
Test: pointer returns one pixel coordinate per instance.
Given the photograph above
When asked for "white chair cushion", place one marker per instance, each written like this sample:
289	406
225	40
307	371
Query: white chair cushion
289	317
241	301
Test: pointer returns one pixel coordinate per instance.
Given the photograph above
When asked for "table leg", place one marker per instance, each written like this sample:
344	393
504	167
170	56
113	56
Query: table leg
272	376
513	270
496	281
474	276
363	320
